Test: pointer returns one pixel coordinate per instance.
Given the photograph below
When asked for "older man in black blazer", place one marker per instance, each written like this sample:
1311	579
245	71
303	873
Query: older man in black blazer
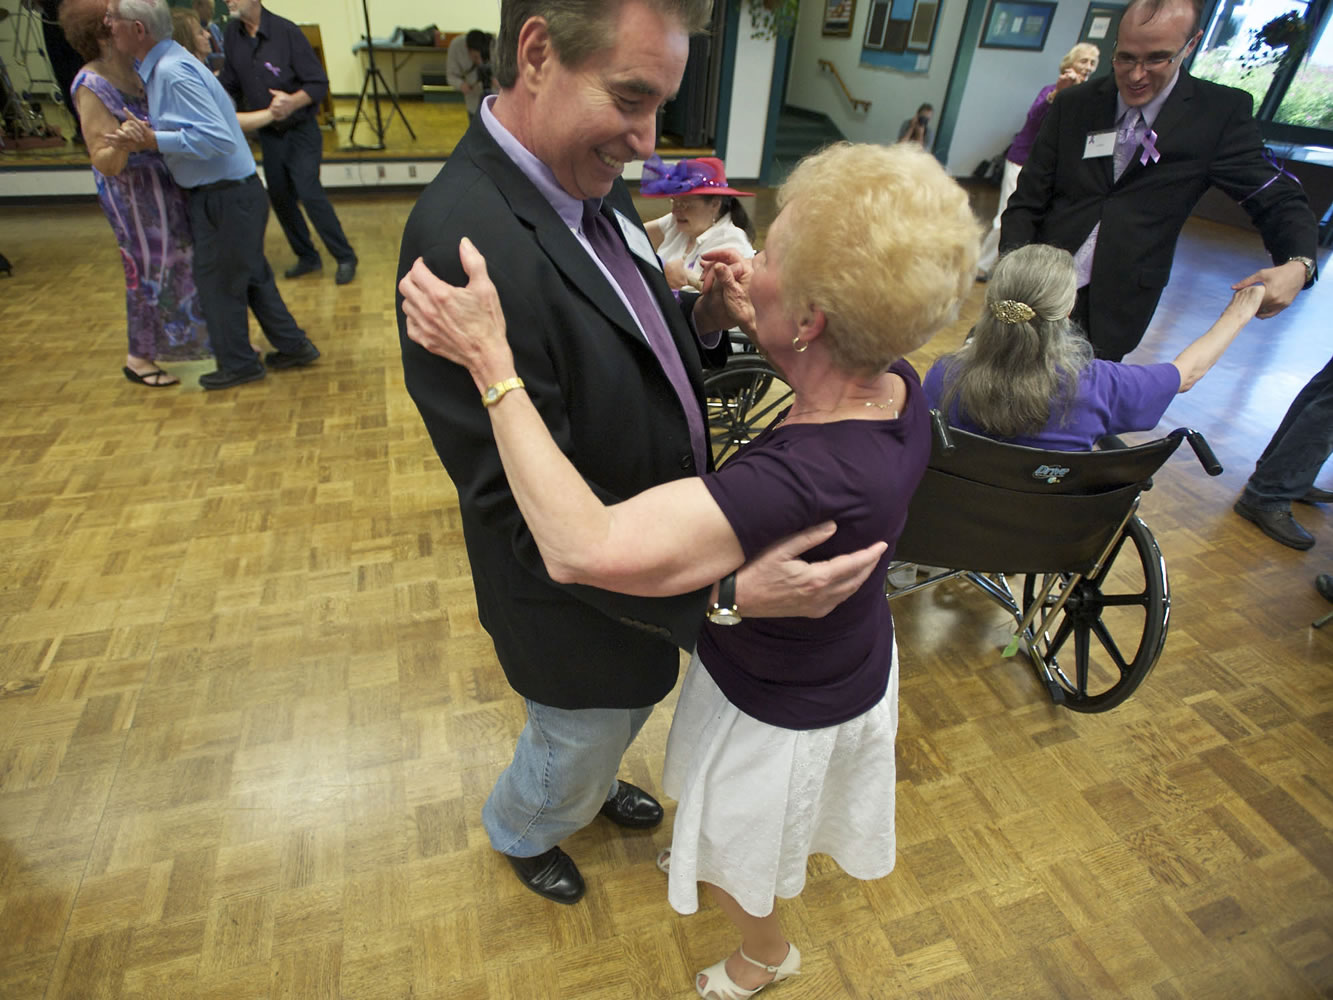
613	362
1115	189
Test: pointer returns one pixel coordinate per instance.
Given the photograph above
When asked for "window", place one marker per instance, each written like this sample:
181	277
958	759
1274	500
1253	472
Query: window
1294	101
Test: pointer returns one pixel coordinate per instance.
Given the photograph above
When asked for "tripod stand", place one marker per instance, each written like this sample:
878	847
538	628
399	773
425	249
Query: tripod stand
373	81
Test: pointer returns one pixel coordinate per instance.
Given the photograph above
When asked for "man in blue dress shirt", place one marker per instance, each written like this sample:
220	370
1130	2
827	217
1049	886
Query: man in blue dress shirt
194	127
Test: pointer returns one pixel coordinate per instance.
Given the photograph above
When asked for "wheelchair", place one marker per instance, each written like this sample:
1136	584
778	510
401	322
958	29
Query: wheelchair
1095	600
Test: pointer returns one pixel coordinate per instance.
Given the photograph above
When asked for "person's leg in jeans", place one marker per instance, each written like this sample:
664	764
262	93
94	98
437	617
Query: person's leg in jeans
282	194
221	275
1298	450
304	152
262	294
564	769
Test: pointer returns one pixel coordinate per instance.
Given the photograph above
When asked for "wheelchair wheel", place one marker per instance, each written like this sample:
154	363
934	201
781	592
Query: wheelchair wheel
1110	632
743	398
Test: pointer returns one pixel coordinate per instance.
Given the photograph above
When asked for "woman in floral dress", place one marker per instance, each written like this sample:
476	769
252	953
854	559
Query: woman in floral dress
143	204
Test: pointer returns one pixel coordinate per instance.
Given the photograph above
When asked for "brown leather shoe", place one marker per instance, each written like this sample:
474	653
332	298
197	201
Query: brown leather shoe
552	875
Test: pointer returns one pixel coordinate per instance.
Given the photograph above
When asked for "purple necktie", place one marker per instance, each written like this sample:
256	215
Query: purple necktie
611	250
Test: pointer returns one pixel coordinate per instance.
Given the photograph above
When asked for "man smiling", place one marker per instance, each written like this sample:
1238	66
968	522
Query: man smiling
612	361
1120	163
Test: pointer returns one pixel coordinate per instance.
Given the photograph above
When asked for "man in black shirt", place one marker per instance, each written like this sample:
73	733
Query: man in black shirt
269	64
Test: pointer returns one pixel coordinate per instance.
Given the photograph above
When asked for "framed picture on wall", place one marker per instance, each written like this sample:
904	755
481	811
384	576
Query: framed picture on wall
921	32
1017	25
838	16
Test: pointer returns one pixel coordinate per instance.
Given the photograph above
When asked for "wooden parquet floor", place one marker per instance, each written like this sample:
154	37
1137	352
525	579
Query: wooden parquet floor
248	716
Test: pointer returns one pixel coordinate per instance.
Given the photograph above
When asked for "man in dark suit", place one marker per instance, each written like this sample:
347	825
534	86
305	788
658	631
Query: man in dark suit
1120	163
612	361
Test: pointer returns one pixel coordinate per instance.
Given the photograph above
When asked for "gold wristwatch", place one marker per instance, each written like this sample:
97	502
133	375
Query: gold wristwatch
495	393
724	611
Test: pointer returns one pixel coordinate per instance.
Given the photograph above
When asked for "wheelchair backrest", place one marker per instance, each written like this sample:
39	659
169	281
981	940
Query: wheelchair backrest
992	507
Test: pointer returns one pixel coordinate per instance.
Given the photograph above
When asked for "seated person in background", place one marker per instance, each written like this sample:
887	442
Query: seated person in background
467	67
917	128
1026	375
782	743
705	215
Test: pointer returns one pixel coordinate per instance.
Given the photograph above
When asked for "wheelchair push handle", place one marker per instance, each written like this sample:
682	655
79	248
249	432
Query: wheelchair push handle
1204	453
940	423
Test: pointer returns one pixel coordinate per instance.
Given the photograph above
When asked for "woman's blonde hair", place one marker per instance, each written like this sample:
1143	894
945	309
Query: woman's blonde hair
1078	52
883	241
1014	374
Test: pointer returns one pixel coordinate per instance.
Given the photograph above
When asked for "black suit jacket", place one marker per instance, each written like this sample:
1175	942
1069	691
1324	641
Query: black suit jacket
1206	136
609	406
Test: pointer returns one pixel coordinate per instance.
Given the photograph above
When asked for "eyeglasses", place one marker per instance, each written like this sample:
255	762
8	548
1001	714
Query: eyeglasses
1123	60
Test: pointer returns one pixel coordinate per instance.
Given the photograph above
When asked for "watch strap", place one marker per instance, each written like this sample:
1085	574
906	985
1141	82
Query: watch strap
496	391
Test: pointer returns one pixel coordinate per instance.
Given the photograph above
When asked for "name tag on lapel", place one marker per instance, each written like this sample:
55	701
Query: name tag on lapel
638	241
1099	144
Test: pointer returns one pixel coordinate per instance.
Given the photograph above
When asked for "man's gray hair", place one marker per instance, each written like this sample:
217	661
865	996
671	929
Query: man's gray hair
154	15
579	28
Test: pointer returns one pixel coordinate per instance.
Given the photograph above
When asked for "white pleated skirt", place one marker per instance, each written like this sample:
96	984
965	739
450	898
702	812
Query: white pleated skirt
755	801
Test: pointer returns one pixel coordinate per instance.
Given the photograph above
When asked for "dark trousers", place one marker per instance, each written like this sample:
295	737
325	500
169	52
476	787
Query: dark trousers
232	274
291	168
1080	317
1300	446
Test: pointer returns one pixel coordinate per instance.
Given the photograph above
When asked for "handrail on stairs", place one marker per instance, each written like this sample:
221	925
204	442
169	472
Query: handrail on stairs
856	102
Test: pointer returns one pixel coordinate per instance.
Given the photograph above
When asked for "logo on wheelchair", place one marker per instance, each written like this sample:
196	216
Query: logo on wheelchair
1050	473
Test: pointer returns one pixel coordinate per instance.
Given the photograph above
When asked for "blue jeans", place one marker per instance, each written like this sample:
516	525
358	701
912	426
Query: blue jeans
564	768
1299	448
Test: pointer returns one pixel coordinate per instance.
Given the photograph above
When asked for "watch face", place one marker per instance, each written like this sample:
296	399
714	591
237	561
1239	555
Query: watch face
724	616
492	394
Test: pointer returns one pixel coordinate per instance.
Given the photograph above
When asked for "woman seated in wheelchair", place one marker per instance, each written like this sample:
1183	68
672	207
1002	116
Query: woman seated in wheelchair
782	743
1027	375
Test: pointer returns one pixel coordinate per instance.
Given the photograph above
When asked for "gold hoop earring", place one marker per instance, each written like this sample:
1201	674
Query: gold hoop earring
798	346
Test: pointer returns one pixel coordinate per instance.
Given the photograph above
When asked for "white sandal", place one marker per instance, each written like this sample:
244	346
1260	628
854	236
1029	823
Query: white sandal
721	987
664	861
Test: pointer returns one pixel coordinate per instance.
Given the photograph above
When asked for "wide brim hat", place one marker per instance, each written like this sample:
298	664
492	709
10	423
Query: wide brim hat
703	175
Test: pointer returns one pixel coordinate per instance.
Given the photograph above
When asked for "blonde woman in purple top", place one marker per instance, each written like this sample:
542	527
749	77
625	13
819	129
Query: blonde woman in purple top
783	740
1079	63
1027	374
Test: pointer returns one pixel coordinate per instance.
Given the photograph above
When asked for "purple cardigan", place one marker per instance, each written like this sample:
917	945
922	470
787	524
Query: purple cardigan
1027	135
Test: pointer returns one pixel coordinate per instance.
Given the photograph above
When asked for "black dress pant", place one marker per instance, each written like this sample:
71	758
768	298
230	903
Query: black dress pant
291	169
1079	316
232	274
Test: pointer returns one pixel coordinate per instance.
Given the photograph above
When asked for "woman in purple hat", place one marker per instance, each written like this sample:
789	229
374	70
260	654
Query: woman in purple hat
705	215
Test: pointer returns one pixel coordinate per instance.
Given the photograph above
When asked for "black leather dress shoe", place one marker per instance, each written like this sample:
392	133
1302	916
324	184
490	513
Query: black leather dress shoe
303	266
631	806
1324	584
346	271
278	360
1278	525
221	379
552	875
1315	495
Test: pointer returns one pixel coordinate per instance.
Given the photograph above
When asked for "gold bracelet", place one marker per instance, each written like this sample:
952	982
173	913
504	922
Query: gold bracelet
495	393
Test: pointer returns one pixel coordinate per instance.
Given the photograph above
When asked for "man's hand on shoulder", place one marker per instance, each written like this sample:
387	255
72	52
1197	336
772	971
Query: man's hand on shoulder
1281	283
779	584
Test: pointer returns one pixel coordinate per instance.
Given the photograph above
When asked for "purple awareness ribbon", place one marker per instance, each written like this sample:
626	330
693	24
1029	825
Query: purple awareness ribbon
1149	149
272	69
1278	171
660	179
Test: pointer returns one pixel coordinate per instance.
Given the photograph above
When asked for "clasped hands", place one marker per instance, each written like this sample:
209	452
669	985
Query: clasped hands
133	136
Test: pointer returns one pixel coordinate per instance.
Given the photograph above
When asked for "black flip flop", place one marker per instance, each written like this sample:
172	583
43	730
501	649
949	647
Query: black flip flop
134	376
